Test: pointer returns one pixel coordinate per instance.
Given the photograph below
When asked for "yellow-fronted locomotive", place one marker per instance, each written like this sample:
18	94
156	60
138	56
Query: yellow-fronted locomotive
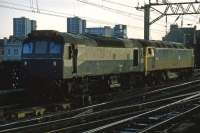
59	65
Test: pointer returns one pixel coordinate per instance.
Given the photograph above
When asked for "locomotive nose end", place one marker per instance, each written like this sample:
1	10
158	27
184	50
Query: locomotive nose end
43	90
46	69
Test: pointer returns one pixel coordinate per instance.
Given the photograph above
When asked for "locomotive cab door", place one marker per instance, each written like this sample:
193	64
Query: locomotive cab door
135	57
149	59
73	53
70	59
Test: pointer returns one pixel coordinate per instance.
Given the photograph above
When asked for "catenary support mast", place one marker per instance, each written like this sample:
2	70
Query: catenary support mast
175	8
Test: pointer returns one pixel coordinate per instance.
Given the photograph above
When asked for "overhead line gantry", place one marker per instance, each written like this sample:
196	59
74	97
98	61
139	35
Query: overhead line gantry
170	9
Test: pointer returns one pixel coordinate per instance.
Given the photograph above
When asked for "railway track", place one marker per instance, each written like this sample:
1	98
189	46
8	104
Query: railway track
135	96
151	121
136	99
18	113
81	119
142	103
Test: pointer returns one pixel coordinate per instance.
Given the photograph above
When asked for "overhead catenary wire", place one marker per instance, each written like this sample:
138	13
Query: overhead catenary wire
51	11
31	4
23	7
117	11
119	4
37	5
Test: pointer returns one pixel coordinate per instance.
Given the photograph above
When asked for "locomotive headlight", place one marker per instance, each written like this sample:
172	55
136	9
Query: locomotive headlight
25	63
54	63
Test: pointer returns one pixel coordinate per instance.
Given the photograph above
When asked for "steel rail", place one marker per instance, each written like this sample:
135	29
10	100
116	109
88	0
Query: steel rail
195	97
103	114
86	110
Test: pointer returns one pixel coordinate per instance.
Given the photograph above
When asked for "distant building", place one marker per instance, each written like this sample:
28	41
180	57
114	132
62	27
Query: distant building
184	35
76	25
1	49
12	49
120	31
101	31
23	26
33	25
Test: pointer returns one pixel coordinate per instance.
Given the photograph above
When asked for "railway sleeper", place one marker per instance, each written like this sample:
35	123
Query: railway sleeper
62	106
21	114
33	111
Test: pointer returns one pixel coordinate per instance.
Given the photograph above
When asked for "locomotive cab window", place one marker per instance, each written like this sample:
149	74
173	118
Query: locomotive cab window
55	48
135	57
28	48
150	52
41	47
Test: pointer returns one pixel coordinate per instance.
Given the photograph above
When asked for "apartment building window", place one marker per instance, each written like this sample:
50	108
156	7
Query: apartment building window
19	27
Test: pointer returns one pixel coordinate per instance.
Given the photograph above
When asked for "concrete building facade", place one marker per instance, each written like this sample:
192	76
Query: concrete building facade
100	31
76	25
12	48
1	49
120	31
186	35
23	26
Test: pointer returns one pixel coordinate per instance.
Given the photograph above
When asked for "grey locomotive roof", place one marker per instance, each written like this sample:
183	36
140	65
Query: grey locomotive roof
100	41
78	39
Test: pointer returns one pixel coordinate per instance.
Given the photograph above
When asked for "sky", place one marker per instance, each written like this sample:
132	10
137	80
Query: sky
99	13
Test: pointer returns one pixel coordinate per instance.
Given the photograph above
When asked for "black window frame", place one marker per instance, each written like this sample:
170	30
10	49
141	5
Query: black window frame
135	55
